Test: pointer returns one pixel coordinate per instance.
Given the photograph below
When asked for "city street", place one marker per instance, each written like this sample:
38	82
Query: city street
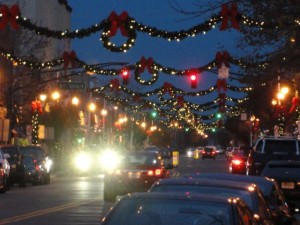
75	200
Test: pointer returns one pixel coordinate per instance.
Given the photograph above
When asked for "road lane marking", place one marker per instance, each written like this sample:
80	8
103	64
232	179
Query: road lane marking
46	211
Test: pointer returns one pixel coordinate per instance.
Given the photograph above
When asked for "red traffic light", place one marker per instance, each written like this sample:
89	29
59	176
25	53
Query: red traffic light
193	78
125	76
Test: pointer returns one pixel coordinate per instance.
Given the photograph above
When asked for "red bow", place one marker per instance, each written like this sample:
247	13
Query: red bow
69	57
180	101
115	84
118	22
146	63
295	103
136	98
9	15
221	84
36	106
167	88
222	58
229	14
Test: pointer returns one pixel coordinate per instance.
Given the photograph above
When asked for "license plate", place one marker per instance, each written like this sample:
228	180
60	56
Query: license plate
134	175
287	185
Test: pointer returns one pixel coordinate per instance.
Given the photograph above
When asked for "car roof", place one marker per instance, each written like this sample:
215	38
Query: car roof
180	196
283	162
202	182
265	184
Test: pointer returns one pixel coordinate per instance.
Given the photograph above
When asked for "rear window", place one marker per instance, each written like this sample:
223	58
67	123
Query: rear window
281	147
13	152
140	160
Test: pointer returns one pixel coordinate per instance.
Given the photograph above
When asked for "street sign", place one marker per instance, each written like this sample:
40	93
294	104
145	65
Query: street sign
71	86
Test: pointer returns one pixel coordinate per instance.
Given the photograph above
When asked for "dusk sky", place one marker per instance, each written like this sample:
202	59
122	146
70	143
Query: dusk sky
188	53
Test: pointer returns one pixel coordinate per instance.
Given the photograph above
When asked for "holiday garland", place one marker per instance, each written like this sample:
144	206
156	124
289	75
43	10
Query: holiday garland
229	17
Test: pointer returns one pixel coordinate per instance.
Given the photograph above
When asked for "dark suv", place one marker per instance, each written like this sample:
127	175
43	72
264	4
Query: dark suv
41	161
271	148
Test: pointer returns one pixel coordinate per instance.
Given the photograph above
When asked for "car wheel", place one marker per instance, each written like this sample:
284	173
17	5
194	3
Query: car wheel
4	182
109	193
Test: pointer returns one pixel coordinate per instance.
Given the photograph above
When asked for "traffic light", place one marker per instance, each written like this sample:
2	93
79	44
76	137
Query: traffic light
125	76
219	115
153	114
194	80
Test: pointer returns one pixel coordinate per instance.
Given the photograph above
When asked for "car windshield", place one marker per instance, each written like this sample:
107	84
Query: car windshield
169	212
220	191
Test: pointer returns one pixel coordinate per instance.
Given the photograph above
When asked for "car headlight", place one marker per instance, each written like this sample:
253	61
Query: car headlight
109	159
83	161
48	164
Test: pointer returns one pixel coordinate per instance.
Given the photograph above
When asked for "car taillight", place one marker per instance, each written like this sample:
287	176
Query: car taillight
237	161
214	152
37	167
203	152
156	172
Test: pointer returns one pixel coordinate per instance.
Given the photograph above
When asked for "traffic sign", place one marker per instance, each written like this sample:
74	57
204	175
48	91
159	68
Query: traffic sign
71	86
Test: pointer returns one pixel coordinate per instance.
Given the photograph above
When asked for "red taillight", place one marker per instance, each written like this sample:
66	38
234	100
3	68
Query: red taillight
37	167
156	172
203	152
237	161
214	152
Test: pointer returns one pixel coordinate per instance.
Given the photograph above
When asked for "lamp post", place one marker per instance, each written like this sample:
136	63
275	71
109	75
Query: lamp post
280	96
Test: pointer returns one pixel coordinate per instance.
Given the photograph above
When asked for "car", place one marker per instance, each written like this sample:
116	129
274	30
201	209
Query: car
229	151
14	160
32	172
5	169
287	175
209	153
250	193
40	159
269	187
136	171
271	148
150	208
237	164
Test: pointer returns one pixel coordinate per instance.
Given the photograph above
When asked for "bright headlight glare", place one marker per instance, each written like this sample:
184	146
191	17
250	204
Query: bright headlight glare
109	160
82	161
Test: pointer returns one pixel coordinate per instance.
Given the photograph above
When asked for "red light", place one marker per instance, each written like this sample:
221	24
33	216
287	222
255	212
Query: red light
193	77
236	161
37	167
125	76
158	172
150	173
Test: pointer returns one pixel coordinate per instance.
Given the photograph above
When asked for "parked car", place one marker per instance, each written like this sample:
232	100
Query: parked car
14	159
5	169
40	160
271	148
136	171
287	175
209	153
251	194
237	164
269	187
179	209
